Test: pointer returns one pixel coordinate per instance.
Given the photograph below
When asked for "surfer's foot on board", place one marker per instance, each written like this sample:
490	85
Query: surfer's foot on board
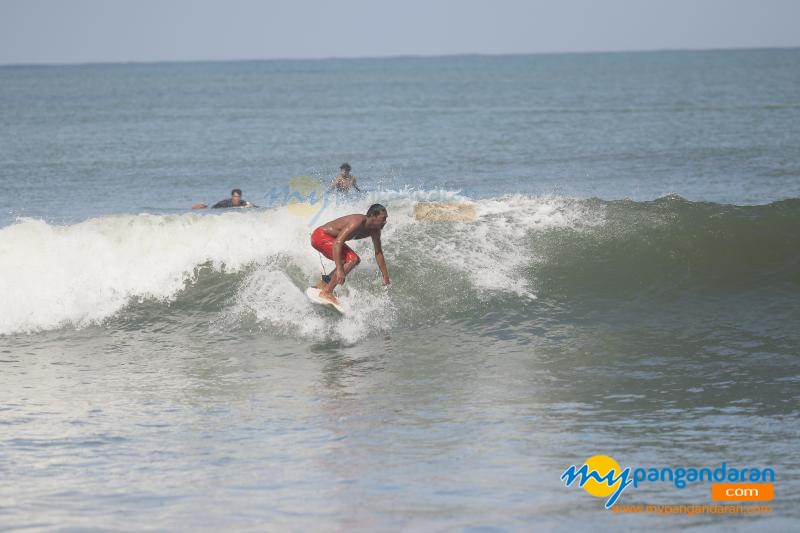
328	296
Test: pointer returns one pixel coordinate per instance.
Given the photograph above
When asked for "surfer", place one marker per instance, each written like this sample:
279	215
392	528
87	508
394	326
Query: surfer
329	239
234	201
344	181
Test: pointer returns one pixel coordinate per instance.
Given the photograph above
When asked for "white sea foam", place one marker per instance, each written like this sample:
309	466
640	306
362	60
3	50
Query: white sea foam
52	276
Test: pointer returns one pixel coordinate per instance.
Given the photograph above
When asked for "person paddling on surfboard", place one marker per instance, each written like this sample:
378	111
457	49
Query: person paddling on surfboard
235	201
330	238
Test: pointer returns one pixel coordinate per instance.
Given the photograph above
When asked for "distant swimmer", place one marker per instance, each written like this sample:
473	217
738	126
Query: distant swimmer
329	239
344	181
234	201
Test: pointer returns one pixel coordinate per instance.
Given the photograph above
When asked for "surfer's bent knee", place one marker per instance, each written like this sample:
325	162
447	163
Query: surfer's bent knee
352	257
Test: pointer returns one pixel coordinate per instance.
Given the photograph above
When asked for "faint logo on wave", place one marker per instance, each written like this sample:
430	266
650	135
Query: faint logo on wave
305	196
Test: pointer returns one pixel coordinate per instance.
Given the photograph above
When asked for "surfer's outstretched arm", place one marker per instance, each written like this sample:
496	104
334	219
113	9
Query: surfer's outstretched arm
376	242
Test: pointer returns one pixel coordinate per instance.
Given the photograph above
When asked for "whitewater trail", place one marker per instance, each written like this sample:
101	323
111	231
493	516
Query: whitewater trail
248	269
53	276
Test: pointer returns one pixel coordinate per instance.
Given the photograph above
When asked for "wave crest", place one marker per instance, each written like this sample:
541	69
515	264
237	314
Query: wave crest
248	269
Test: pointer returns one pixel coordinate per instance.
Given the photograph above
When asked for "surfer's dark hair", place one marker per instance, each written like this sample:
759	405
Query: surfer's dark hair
236	191
345	166
375	210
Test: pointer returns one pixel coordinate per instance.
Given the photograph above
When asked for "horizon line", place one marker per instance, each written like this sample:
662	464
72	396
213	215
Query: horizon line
393	56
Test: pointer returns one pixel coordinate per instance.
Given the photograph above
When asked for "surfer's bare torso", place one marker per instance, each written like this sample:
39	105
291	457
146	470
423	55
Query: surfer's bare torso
353	227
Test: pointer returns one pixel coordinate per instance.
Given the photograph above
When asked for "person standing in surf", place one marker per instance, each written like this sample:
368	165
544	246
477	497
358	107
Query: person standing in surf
330	238
344	181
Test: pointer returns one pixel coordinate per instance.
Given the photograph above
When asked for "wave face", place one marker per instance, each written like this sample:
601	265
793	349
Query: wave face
248	269
672	244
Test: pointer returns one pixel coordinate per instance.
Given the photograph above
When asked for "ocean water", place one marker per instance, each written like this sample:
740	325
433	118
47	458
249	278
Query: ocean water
630	287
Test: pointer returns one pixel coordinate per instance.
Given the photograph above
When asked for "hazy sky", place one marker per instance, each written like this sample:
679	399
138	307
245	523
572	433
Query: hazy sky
75	31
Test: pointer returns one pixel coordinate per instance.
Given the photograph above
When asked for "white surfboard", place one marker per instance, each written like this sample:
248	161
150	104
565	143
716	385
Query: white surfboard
313	295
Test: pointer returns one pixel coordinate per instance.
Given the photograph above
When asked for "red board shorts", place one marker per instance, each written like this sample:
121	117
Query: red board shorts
323	242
